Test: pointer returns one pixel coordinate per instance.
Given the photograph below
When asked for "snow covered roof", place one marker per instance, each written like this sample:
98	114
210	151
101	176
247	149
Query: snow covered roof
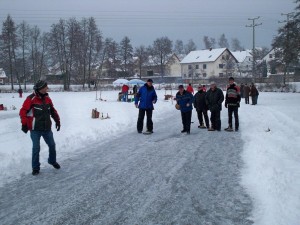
242	55
207	55
2	73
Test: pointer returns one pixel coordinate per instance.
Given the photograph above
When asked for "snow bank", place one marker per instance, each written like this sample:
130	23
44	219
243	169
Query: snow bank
78	129
272	171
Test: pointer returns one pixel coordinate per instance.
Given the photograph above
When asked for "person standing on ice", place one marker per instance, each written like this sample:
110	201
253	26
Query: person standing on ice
125	90
254	94
201	107
185	101
35	117
246	93
232	102
214	98
190	89
144	100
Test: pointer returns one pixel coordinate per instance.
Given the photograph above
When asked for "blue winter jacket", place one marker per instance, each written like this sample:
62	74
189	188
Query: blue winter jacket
184	99
146	96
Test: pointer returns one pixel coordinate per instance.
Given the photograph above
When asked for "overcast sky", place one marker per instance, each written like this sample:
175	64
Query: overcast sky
145	20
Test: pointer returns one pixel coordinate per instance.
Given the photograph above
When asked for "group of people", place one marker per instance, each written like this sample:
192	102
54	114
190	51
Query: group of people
203	101
247	91
125	90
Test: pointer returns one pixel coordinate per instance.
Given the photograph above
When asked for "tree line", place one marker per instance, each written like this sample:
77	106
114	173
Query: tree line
78	51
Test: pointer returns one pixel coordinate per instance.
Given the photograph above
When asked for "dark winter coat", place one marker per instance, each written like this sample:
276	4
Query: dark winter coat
36	111
214	99
233	96
184	99
199	101
253	91
146	97
246	91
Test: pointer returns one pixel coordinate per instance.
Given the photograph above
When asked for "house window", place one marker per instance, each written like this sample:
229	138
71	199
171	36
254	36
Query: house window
197	67
190	67
190	75
197	74
270	56
221	66
223	57
184	75
204	66
221	74
204	74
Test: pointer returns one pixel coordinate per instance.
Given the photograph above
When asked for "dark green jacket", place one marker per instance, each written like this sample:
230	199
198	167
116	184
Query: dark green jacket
214	99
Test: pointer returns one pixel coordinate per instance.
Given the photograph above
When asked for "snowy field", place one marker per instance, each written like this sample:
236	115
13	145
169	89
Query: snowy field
270	143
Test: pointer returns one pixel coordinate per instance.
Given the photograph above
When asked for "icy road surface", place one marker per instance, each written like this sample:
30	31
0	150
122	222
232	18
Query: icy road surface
164	178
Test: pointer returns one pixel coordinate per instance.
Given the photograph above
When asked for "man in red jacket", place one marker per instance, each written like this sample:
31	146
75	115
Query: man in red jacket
35	117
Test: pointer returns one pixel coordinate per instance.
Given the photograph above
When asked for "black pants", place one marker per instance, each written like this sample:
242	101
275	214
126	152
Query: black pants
140	122
186	120
247	100
234	110
200	118
215	119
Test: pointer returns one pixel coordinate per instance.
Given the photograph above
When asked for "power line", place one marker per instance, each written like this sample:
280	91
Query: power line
253	25
288	16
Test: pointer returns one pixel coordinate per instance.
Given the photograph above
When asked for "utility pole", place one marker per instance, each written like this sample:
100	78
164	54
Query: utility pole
288	16
253	25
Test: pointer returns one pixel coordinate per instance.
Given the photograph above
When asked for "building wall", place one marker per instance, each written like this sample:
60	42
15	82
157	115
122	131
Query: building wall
198	70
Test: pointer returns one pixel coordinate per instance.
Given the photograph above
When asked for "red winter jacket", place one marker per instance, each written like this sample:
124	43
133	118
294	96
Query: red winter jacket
36	112
190	89
125	88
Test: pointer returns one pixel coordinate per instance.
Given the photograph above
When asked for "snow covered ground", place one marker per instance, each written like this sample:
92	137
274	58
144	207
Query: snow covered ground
270	172
77	127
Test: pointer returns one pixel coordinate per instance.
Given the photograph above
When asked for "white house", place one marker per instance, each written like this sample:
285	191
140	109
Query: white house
3	77
244	65
207	63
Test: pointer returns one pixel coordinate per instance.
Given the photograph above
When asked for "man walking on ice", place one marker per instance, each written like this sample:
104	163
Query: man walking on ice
35	117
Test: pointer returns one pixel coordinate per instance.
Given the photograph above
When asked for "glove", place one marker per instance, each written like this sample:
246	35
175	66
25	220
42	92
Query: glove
226	105
238	105
24	129
136	105
57	126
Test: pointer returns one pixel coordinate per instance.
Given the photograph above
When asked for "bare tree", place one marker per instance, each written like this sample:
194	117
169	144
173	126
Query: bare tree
161	51
190	46
223	42
209	42
23	39
9	46
143	56
236	45
178	47
126	54
112	60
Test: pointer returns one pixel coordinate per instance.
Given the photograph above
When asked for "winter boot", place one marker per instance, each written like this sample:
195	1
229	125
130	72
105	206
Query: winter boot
228	129
56	165
183	131
148	132
211	129
35	172
202	126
